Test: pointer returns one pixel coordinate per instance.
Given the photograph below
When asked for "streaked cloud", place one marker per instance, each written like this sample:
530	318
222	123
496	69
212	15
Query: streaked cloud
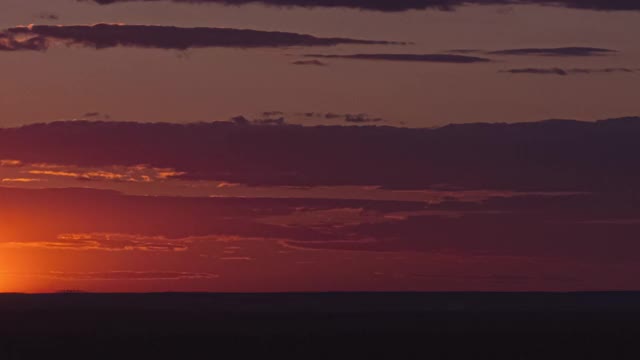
561	51
309	63
104	242
135	174
566	72
103	36
402	5
571	51
10	163
21	180
126	275
431	58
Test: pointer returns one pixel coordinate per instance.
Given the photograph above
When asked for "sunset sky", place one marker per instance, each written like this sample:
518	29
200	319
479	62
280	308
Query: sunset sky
318	145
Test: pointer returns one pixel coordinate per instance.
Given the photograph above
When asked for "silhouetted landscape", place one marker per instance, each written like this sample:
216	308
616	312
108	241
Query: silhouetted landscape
321	325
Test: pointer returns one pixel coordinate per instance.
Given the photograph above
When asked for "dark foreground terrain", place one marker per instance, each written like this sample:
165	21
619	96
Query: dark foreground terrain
321	326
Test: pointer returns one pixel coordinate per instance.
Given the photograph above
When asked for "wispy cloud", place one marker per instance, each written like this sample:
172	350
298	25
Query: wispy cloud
21	180
561	51
566	72
133	174
571	51
402	5
102	36
360	118
105	242
126	275
431	58
309	62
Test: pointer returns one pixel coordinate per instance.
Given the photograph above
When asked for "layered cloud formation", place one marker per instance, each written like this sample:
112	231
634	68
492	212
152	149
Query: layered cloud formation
572	227
258	203
217	242
552	155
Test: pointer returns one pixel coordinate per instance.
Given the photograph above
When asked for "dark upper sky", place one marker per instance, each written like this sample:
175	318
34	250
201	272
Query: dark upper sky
259	198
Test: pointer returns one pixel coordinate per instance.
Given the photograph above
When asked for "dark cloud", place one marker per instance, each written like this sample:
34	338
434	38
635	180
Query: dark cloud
270	121
309	62
601	71
243	121
565	72
561	51
538	71
361	119
280	118
272	113
102	36
349	118
333	116
438	58
402	5
575	51
240	120
549	155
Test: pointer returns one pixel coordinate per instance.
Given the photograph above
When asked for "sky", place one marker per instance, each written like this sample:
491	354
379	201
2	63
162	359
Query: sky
315	145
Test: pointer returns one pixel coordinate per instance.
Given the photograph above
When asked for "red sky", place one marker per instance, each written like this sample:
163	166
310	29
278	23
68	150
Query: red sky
319	162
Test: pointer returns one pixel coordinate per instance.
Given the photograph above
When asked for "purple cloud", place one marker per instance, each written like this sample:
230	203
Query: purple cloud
402	5
103	36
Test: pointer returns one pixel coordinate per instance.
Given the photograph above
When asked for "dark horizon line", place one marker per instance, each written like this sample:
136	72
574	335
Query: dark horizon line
219	122
335	292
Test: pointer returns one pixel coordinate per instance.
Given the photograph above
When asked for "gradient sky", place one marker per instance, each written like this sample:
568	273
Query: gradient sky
384	199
